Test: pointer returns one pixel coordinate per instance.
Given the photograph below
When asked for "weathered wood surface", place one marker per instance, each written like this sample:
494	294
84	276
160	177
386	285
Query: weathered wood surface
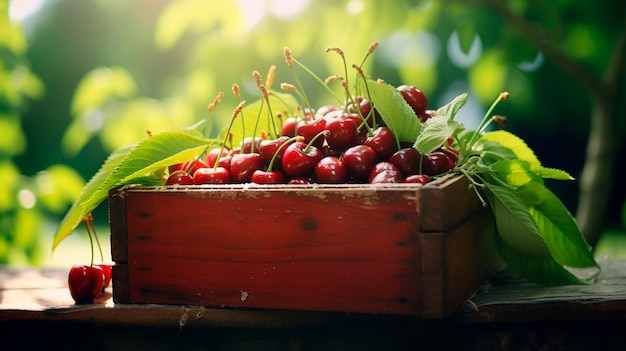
37	312
35	293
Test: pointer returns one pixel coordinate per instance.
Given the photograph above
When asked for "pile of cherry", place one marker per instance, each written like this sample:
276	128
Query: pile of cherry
330	147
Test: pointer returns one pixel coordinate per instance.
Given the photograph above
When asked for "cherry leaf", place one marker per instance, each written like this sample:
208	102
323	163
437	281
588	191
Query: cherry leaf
515	225
436	131
450	109
539	269
394	110
132	165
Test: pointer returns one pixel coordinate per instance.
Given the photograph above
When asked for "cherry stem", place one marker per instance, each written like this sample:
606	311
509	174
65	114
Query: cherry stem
236	92
236	112
270	166
325	132
484	123
86	221
211	108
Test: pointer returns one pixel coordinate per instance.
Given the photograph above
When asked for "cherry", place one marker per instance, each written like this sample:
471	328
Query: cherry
300	158
267	149
426	115
108	274
194	165
243	165
211	175
179	177
247	145
325	110
301	180
451	153
289	127
342	132
415	98
85	282
407	160
383	142
435	163
173	168
331	170
310	129
359	161
417	179
365	106
267	177
215	154
385	172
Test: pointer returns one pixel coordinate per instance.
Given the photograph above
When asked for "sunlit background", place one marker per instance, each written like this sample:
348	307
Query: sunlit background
81	78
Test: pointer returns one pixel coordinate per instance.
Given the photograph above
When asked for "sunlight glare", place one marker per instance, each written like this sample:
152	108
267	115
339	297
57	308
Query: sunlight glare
252	12
19	10
287	8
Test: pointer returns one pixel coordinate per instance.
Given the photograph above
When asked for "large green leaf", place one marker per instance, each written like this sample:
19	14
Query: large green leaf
539	269
557	226
515	225
516	172
394	110
512	142
132	164
435	132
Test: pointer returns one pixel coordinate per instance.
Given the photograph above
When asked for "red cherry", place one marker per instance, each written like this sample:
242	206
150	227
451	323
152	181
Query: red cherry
417	179
342	133
243	165
246	145
192	166
179	177
407	160
210	175
331	170
435	163
301	180
325	110
267	177
311	129
383	142
359	161
268	148
85	282
289	127
385	172
213	154
299	159
108	274
415	98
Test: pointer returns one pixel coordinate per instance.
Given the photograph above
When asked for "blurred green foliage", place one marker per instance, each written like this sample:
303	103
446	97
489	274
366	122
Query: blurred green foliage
113	70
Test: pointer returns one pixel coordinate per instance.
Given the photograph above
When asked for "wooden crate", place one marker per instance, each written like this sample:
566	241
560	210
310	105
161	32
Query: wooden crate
385	249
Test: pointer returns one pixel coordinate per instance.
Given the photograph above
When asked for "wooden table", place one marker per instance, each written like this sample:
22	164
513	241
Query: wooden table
37	312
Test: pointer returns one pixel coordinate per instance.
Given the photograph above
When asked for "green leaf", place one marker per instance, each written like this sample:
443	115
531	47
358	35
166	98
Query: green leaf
436	130
519	172
539	269
515	225
558	228
510	143
394	110
132	164
450	109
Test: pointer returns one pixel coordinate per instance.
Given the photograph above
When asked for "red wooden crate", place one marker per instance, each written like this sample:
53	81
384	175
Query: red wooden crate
383	249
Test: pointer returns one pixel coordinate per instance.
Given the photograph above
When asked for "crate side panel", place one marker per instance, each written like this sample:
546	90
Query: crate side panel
446	203
117	224
342	251
471	258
